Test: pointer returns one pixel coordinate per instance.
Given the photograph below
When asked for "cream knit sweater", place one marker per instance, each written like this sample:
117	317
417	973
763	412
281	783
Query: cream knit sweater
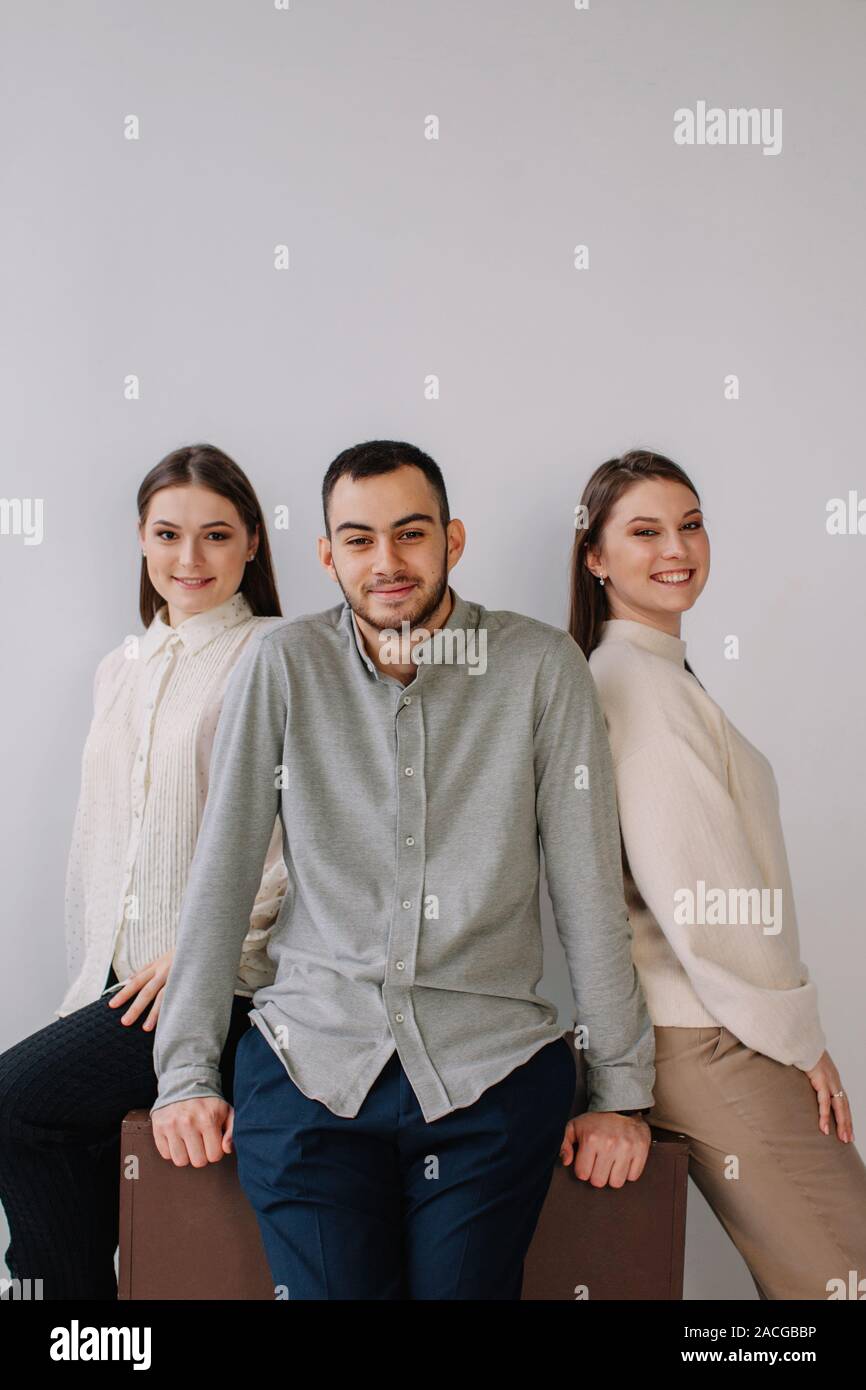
706	873
144	782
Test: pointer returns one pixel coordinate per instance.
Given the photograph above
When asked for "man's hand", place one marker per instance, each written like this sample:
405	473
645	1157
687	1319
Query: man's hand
611	1148
194	1131
147	984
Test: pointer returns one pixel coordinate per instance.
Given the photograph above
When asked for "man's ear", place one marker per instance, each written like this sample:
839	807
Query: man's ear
323	545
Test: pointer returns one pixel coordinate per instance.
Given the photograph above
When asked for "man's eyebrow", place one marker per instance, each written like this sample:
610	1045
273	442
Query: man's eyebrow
401	521
690	512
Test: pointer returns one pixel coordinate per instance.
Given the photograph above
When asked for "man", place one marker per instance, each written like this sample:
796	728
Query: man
402	1098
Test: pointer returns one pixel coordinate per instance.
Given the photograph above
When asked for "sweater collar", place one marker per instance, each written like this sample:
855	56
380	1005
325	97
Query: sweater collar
197	630
652	639
463	615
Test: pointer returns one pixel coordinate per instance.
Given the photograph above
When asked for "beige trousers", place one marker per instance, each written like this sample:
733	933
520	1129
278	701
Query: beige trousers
793	1200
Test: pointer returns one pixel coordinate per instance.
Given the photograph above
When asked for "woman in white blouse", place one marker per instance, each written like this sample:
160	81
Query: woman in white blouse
741	1062
207	591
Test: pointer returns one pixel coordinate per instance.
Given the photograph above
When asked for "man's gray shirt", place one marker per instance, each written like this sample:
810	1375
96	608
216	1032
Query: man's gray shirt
411	821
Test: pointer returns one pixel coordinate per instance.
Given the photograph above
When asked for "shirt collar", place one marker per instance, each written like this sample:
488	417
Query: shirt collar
196	631
652	639
463	615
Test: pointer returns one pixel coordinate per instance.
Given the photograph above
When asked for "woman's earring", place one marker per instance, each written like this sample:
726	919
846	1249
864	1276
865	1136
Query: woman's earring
601	580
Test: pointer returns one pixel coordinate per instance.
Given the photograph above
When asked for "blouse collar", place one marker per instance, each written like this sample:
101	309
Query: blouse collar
196	631
652	639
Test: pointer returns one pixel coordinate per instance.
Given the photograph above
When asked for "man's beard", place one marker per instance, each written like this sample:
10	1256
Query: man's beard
422	607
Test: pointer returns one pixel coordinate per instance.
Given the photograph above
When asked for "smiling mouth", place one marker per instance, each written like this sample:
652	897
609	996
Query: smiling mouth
394	591
672	577
192	583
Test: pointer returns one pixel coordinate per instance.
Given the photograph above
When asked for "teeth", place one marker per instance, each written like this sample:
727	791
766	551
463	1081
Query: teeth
672	577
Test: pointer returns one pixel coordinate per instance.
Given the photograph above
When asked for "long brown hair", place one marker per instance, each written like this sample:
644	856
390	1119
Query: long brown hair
205	466
589	606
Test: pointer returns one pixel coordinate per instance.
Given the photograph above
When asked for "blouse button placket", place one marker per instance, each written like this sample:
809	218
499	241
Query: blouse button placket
140	773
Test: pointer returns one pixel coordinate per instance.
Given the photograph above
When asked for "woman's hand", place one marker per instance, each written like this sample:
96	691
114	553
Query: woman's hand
146	985
826	1081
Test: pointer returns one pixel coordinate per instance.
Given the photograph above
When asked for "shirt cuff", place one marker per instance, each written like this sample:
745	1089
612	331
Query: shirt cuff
187	1083
620	1088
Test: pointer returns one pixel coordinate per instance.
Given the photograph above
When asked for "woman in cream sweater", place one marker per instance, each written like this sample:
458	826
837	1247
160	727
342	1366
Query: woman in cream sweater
741	1062
207	590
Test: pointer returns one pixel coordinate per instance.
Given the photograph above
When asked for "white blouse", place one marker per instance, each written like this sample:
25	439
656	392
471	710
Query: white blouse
708	887
144	782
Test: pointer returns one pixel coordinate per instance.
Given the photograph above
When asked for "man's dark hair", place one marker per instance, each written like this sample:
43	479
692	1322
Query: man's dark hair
383	456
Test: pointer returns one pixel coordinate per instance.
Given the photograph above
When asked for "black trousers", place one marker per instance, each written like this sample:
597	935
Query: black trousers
63	1094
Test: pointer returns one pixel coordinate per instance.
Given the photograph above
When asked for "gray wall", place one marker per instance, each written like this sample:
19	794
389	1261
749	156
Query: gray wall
454	257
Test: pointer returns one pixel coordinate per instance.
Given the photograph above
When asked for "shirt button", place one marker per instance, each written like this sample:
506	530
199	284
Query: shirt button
409	771
407	699
406	903
410	839
399	1018
401	965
